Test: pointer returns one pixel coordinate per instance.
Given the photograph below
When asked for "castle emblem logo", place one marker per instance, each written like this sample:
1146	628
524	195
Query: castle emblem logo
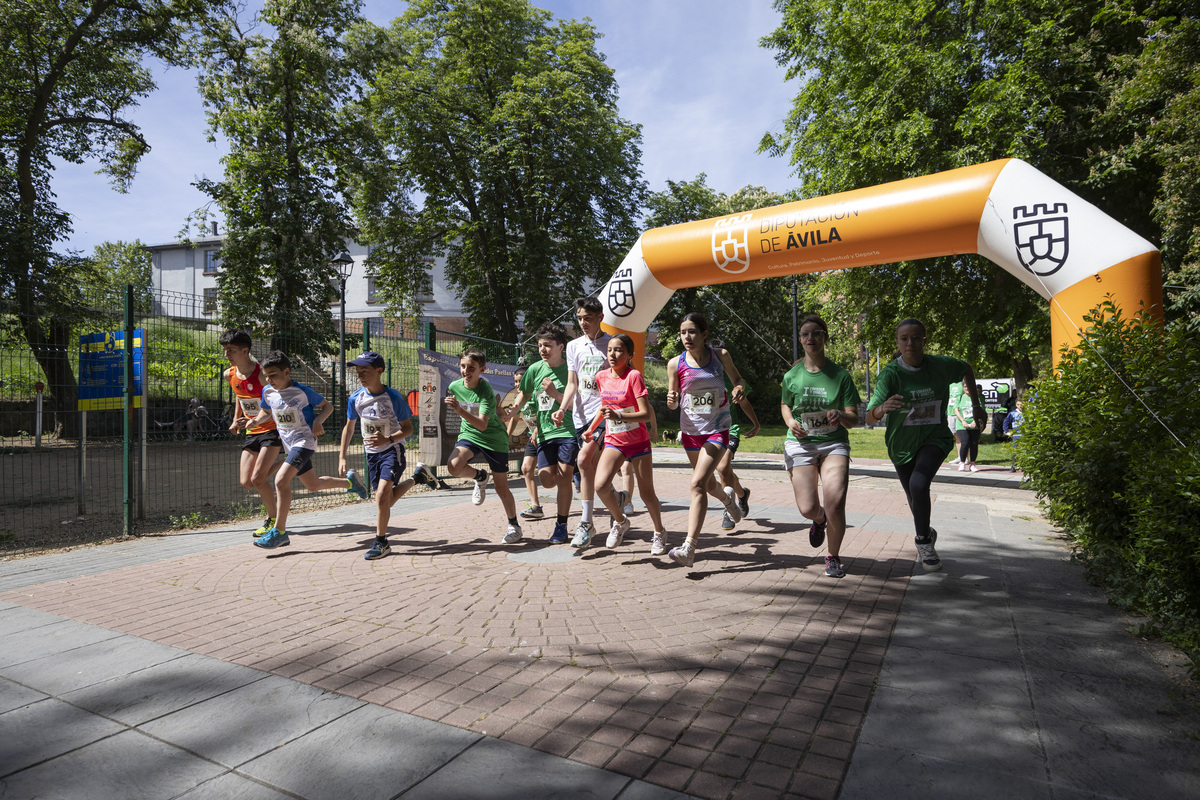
1041	237
731	244
621	301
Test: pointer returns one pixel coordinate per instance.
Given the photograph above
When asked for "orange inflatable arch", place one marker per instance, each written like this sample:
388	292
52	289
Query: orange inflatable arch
1069	251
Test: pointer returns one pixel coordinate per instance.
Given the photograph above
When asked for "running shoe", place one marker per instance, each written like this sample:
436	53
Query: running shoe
727	523
623	500
927	553
533	512
973	468
833	567
616	534
272	538
731	505
480	490
378	550
658	543
628	509
816	532
962	466
583	535
356	486
560	533
744	503
684	555
422	475
513	536
266	526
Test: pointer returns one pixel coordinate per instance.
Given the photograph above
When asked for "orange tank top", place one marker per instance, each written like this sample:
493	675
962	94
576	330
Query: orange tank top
249	397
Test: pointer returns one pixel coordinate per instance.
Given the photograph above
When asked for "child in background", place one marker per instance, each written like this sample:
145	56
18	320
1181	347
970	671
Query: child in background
528	412
1012	428
386	421
299	414
262	441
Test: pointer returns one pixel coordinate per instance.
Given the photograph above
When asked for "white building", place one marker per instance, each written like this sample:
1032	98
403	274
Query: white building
185	278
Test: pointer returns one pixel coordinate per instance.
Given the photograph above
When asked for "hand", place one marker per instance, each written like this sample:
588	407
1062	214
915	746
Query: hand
342	467
609	413
548	384
318	428
738	394
672	400
833	416
892	403
752	432
452	403
557	417
795	427
236	426
377	439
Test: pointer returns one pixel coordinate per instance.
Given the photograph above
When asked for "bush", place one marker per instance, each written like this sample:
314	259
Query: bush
1110	444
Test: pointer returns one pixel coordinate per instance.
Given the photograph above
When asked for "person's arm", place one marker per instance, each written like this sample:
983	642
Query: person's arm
405	431
322	411
477	421
885	399
673	383
343	453
791	422
738	392
847	417
568	395
515	409
748	410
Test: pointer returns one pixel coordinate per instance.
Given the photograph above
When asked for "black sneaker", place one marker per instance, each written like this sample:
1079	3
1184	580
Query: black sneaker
422	476
816	532
744	503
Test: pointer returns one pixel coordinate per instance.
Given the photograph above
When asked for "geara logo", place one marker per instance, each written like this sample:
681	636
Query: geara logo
731	243
1041	239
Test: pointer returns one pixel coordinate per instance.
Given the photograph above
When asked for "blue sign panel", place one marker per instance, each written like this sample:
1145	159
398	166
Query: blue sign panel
102	370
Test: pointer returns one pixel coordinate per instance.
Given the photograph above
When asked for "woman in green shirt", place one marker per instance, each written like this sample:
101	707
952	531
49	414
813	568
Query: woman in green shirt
917	387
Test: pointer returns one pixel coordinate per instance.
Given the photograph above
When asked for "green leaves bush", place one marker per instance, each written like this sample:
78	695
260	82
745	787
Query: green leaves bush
1122	474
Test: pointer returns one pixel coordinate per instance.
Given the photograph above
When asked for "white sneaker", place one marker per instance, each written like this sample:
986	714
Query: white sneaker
658	543
684	555
583	535
928	555
731	505
480	490
622	499
628	509
616	534
514	534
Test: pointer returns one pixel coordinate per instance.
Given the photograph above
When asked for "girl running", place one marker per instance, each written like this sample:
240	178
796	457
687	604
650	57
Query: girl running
626	410
819	402
918	439
696	385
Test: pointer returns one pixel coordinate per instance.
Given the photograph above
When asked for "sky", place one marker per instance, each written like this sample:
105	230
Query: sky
690	72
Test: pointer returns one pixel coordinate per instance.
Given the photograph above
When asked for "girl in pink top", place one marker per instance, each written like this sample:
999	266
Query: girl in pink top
625	406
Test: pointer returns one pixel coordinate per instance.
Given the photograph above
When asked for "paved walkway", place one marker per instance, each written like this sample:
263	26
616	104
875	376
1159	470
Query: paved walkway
196	665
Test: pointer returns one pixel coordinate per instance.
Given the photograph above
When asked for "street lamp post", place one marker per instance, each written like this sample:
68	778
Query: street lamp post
345	265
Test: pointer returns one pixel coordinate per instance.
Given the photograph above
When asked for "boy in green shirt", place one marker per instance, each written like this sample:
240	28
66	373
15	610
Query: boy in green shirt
482	433
557	446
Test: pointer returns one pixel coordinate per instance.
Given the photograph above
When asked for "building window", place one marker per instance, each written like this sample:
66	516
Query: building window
373	295
210	300
426	297
212	261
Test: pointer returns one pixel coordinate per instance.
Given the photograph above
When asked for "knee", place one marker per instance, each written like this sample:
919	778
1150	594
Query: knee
250	482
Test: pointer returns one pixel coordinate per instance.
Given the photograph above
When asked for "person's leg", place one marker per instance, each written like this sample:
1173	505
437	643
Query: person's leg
962	436
704	462
255	473
314	484
607	466
283	494
973	446
383	507
835	478
804	489
585	464
644	467
626	474
916	477
529	473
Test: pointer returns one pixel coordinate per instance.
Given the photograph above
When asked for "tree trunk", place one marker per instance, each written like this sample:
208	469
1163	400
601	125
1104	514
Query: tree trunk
1022	374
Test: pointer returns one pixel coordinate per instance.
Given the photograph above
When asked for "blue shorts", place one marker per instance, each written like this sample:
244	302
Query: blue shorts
553	452
300	458
597	435
531	449
386	466
498	461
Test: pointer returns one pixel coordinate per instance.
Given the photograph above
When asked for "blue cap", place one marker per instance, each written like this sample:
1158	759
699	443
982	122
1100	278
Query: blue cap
367	359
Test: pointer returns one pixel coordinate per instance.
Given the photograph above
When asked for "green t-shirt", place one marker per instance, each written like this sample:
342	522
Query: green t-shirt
735	428
531	384
964	404
482	402
810	395
922	418
956	393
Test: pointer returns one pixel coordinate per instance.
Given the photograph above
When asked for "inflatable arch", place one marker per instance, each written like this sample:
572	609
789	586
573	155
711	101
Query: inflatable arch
1066	249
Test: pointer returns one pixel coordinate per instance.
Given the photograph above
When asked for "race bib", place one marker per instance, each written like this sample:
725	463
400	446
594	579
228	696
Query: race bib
615	426
701	404
287	419
375	427
928	413
545	402
250	406
588	384
816	423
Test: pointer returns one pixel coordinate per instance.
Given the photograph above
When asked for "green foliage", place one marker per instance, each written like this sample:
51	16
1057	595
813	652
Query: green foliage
505	126
118	264
278	102
1110	445
894	90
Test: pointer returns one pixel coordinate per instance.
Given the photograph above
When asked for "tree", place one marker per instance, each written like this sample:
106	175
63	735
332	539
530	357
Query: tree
506	128
71	71
753	319
278	102
121	263
896	90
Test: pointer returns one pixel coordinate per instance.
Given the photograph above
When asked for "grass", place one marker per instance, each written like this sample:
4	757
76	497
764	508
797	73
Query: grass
864	443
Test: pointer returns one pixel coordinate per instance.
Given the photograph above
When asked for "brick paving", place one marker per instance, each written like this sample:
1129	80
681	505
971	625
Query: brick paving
748	675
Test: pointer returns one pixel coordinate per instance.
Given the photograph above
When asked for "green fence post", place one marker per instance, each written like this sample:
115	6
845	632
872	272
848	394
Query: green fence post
127	435
366	334
430	336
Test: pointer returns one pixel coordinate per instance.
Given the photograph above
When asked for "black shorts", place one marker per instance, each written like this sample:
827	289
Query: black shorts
496	459
256	442
530	449
734	441
301	459
387	466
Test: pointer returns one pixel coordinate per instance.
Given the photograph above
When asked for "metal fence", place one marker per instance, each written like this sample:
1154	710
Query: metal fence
69	475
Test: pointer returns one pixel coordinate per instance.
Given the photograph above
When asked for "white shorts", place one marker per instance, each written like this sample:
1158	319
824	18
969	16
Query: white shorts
803	454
